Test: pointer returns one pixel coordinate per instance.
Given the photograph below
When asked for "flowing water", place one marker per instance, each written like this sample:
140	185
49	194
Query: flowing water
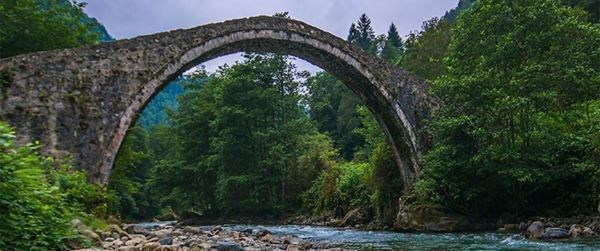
384	240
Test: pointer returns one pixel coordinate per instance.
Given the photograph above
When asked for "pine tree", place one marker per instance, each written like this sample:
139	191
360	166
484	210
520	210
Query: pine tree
393	37
365	32
353	34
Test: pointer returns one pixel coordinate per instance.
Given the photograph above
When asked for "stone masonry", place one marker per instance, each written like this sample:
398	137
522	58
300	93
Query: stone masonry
79	103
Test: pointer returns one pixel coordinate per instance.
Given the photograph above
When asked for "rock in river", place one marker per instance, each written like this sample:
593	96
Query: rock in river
555	233
229	246
535	230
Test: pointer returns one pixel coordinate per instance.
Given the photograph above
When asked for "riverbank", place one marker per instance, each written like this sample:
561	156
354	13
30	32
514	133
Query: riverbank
170	236
414	219
173	237
330	233
576	226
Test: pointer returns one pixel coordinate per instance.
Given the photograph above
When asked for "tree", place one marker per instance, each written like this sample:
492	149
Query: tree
362	33
591	6
132	198
393	37
426	49
517	93
240	142
37	25
453	14
353	34
393	46
155	112
333	107
284	14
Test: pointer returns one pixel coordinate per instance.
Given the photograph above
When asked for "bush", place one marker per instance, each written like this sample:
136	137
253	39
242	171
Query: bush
340	188
38	197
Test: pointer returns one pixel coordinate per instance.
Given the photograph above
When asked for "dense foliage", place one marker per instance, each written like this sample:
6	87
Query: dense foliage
518	132
131	197
257	138
520	116
592	7
426	49
452	15
240	142
39	197
155	112
38	25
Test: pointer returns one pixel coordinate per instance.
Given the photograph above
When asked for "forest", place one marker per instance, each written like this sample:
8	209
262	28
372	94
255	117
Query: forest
518	133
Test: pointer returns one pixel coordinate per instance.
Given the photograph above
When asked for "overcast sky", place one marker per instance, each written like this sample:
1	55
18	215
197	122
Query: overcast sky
131	18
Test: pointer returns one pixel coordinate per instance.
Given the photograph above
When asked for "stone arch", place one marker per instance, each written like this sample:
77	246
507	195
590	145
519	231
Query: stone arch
133	71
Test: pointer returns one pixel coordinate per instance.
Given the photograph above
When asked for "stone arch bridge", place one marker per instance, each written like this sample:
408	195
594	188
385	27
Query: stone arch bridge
80	102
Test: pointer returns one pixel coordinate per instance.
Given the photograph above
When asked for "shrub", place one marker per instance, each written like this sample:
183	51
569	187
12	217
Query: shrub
38	197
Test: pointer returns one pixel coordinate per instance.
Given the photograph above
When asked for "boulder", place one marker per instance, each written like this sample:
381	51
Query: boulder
269	238
135	229
150	246
168	248
247	231
216	230
162	233
427	218
229	246
511	227
307	246
117	230
87	232
107	245
588	231
129	248
577	230
356	216
117	243
523	226
135	240
535	230
166	240
262	232
291	240
105	235
193	218
555	233
191	230
197	248
201	246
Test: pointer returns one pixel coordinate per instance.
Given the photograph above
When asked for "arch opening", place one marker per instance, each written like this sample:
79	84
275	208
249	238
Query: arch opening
355	75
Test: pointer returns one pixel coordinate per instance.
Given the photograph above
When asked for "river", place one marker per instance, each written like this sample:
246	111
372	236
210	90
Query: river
383	240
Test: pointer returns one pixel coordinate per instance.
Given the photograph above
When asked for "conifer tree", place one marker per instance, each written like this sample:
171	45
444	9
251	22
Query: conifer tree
393	37
365	32
353	34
